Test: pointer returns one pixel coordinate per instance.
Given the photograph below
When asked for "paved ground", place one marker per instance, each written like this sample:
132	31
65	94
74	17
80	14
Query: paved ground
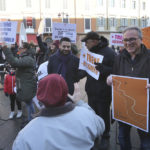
10	128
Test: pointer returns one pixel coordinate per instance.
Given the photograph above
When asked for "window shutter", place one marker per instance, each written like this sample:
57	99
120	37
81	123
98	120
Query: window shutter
24	22
34	23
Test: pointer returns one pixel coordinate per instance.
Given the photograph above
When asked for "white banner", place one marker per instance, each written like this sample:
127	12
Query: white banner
8	32
41	27
116	39
87	60
60	30
22	35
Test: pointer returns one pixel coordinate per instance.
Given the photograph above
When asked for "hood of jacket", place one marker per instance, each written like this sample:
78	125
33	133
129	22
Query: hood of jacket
103	43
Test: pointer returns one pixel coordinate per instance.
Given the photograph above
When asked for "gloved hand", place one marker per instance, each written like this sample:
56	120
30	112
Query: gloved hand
6	94
98	66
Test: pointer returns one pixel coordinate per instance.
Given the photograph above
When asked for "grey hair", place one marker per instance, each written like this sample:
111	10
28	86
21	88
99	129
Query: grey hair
134	28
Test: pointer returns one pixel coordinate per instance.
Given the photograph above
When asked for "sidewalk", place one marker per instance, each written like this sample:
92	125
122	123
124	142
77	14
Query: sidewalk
10	128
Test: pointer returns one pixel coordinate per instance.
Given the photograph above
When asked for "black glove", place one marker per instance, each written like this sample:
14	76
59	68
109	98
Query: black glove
99	66
6	94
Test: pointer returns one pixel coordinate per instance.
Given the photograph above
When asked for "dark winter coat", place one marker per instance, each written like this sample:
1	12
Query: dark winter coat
71	69
140	67
44	51
25	74
99	88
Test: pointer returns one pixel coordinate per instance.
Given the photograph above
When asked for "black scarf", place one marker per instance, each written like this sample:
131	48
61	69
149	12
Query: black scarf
62	68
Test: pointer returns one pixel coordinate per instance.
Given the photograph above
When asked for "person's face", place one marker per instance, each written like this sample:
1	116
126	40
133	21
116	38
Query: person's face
65	47
52	47
132	42
90	43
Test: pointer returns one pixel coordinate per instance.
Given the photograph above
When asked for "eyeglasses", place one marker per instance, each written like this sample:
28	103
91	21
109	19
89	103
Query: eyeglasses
130	39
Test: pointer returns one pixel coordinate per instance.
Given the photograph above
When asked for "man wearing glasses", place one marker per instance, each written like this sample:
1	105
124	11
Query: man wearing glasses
133	61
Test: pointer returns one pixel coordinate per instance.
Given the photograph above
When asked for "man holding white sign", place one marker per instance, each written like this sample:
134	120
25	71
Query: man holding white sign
99	94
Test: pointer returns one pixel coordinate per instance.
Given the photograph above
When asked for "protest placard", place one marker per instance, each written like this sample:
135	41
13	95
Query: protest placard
60	30
87	60
22	35
116	39
130	101
8	32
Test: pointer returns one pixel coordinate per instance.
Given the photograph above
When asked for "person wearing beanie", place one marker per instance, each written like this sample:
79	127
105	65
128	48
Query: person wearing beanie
60	125
26	83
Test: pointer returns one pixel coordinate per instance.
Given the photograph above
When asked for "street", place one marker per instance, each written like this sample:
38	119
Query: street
10	128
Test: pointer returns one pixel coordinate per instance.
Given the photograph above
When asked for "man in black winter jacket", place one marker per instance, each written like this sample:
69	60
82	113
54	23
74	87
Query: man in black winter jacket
133	61
98	92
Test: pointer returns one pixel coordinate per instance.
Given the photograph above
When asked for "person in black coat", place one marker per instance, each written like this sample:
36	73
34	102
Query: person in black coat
98	92
66	64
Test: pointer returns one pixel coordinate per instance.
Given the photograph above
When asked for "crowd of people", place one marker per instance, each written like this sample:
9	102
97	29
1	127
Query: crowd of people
49	74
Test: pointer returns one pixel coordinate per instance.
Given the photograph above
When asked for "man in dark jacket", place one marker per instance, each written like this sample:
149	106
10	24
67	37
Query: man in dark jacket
65	63
98	92
134	61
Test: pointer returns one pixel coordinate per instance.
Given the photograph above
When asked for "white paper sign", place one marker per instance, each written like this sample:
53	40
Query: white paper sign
87	60
116	39
8	32
60	30
41	27
23	35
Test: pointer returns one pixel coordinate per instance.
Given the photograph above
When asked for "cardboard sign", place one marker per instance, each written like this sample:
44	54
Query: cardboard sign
116	39
87	60
130	101
8	32
60	30
146	37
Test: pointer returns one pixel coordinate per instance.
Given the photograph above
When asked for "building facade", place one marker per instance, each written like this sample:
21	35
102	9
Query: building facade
103	16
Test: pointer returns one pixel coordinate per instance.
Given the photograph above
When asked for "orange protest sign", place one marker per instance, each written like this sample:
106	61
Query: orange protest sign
131	101
146	36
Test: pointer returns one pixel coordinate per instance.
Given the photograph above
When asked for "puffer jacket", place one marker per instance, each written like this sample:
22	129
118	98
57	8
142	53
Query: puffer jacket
99	87
25	73
9	83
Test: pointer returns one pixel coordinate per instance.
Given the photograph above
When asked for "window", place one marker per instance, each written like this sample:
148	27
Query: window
48	25
65	4
28	3
100	2
143	22
47	3
124	22
65	20
87	24
2	5
134	4
123	4
113	22
143	5
133	22
112	3
101	21
29	22
86	4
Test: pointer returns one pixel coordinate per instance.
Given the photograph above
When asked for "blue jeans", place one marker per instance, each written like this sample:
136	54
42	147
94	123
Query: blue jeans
30	110
124	138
